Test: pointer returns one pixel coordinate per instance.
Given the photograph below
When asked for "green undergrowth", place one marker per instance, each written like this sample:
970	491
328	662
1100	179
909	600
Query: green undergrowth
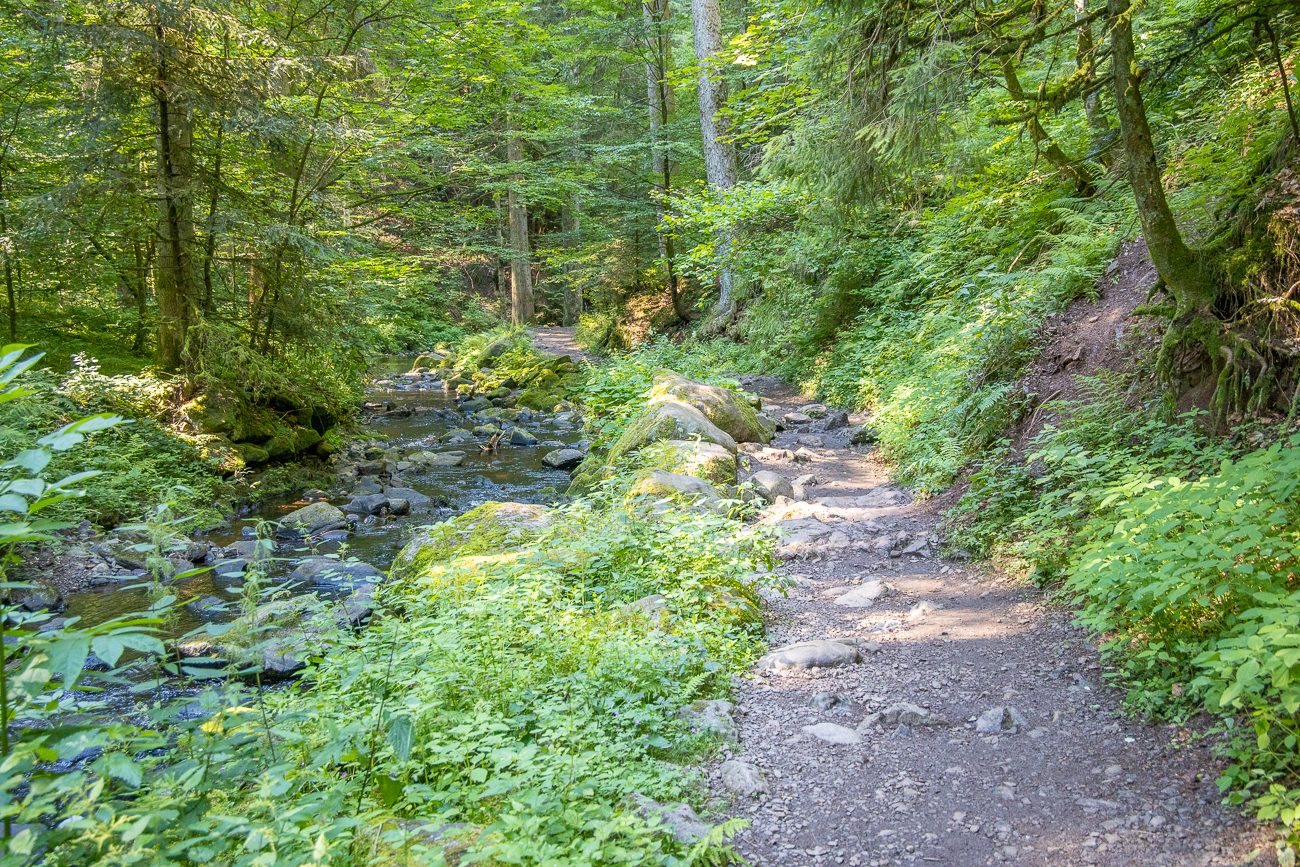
141	463
614	392
929	327
1184	552
501	706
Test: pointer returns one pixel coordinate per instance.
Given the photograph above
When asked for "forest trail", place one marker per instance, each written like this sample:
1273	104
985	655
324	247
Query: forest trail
1070	781
559	340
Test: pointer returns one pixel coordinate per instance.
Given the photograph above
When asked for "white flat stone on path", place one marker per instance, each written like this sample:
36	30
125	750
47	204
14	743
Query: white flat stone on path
833	734
864	596
809	654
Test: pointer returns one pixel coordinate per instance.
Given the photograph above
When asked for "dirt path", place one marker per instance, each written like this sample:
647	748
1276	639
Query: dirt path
560	341
1063	779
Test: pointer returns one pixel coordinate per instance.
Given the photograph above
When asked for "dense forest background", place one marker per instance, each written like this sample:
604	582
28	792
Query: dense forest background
1051	246
880	201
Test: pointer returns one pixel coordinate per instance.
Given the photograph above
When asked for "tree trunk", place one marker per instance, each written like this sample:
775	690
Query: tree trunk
499	280
1179	267
141	295
719	154
521	275
9	281
571	224
174	277
1085	58
660	98
210	242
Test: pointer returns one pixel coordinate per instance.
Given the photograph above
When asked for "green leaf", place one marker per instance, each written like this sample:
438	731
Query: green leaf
68	656
32	460
123	768
400	737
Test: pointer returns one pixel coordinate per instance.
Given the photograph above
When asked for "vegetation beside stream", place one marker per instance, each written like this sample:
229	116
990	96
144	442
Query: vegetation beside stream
522	706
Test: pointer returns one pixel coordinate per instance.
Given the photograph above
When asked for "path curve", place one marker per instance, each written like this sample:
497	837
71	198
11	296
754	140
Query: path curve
560	341
1077	782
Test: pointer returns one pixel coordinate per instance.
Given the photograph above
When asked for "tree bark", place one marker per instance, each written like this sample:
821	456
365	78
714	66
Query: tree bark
660	97
210	242
719	153
173	275
521	275
9	281
571	223
1179	267
1085	58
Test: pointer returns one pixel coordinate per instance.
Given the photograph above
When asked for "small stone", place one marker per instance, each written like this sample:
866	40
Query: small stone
743	778
1000	720
807	480
920	610
904	713
827	701
833	734
865	595
796	418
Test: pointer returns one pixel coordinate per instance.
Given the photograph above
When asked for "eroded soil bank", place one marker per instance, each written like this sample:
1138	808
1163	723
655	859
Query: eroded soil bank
883	761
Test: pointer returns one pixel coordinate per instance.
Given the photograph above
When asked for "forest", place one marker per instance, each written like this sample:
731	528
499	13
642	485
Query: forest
394	398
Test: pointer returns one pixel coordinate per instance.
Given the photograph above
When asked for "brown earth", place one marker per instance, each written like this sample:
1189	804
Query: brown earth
1093	338
1079	783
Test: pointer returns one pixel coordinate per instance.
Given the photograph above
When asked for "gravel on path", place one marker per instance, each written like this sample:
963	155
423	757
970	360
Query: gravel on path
976	729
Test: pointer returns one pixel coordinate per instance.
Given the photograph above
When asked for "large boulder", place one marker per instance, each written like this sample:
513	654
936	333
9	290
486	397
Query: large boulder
658	484
727	410
669	420
488	528
325	570
563	459
315	517
769	485
701	459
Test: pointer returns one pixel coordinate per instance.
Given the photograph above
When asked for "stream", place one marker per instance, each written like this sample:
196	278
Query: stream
514	473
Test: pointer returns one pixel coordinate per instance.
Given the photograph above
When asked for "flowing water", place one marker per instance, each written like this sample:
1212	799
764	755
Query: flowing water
514	473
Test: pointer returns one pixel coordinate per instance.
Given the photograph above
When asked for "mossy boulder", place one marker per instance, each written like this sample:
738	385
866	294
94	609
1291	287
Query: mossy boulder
252	455
658	483
291	441
331	443
488	528
729	411
489	354
428	362
702	460
589	474
538	399
669	419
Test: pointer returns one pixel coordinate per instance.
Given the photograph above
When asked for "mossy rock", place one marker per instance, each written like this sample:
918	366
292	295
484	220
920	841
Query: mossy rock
489	528
331	442
252	455
428	362
589	474
548	380
489	354
729	411
701	460
669	420
292	441
537	398
659	484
